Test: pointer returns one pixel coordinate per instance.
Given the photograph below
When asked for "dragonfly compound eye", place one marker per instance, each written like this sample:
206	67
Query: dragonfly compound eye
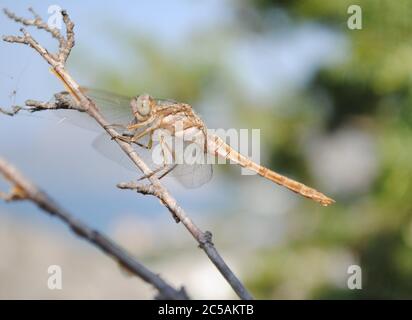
142	105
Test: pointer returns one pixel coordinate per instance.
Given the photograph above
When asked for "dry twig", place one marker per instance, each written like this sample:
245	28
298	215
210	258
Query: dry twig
57	62
23	189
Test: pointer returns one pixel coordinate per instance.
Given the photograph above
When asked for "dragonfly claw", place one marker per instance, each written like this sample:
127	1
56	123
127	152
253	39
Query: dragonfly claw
122	138
114	125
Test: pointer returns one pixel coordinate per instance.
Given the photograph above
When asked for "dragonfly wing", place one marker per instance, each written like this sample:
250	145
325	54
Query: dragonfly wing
110	150
190	176
78	119
193	176
192	171
115	108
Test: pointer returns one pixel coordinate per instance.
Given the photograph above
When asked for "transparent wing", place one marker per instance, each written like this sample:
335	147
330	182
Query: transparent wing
189	175
193	169
115	108
110	150
78	119
193	176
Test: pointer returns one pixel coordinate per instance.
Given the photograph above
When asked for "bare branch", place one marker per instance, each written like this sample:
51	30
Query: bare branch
23	189
27	39
87	105
14	110
62	101
65	44
15	39
140	188
36	22
66	49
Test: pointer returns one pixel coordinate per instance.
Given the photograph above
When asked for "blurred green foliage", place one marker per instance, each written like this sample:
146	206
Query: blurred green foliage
371	90
373	85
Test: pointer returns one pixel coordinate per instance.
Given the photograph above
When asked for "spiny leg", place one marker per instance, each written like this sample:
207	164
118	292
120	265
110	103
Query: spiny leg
149	144
115	125
134	137
118	136
144	132
122	138
140	124
167	171
165	148
167	167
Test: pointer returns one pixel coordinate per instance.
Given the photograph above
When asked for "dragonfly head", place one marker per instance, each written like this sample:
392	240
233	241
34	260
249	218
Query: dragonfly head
142	106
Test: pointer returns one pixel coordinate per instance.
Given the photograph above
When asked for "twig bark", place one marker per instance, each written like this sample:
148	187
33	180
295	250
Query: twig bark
57	62
23	189
14	110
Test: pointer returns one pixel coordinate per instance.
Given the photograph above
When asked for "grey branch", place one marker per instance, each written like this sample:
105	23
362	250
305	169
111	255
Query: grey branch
65	45
23	189
57	61
62	101
14	110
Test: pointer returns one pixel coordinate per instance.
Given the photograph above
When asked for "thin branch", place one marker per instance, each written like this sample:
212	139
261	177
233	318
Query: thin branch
62	101
23	189
37	22
57	61
14	110
66	49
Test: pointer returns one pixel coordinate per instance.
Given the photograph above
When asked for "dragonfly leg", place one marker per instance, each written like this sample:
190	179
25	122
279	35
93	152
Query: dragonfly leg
140	124
166	148
133	138
141	134
204	130
122	137
149	144
167	169
115	125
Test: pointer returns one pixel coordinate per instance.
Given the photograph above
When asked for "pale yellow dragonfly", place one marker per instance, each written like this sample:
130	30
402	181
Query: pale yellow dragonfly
142	117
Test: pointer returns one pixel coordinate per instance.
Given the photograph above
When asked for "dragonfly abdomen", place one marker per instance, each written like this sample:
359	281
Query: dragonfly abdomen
222	149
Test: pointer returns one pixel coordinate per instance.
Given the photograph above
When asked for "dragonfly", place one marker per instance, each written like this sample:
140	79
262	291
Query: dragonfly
161	124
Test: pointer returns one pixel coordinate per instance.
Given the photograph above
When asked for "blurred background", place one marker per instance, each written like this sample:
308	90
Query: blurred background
334	109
